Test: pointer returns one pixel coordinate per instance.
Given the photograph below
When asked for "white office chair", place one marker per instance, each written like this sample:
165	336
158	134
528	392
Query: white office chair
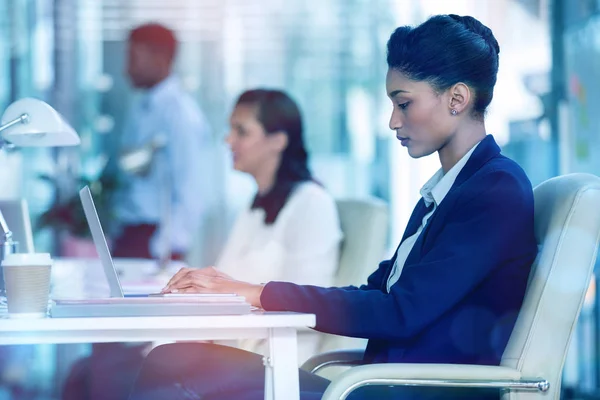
364	223
567	228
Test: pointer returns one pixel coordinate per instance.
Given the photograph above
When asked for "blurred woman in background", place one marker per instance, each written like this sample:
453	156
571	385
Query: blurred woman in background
291	231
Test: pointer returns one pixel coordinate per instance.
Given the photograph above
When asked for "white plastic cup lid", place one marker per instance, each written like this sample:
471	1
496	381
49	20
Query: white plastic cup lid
26	259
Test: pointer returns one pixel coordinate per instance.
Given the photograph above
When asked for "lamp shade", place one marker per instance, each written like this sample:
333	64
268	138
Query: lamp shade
40	126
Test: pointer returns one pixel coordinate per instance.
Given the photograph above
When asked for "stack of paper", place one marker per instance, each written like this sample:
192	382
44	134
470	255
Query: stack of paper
209	304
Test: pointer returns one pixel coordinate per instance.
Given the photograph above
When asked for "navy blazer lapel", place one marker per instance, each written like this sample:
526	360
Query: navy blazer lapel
415	220
486	150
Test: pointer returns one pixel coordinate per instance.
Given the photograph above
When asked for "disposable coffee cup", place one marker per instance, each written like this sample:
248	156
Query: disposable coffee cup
27	281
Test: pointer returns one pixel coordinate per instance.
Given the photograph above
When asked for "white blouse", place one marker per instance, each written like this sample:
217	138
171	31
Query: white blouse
302	246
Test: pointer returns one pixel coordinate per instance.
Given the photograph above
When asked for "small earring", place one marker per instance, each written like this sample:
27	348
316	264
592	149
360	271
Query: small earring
453	112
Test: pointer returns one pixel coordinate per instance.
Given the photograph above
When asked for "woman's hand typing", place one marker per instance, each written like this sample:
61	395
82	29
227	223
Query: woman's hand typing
211	280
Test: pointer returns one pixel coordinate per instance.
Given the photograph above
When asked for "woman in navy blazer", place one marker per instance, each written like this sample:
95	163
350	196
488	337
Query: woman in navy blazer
453	289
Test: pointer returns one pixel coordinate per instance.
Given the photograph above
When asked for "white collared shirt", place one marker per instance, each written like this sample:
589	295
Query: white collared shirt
433	192
301	246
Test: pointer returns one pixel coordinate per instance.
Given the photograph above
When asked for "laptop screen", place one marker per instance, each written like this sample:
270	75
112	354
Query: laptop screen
100	242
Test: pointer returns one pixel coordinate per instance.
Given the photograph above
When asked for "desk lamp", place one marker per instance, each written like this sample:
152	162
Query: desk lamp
31	123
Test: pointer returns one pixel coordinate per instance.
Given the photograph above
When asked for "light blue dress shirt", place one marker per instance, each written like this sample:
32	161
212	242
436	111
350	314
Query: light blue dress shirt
169	193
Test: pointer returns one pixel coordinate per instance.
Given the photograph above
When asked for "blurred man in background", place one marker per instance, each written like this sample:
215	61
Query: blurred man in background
158	204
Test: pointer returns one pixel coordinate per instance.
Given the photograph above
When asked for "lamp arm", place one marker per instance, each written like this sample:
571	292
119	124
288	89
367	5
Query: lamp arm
5	230
24	118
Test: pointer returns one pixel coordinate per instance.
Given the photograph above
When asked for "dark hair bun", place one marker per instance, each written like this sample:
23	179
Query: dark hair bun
473	25
445	50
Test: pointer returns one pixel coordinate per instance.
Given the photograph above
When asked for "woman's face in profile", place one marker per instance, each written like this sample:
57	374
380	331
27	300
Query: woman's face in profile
252	148
421	117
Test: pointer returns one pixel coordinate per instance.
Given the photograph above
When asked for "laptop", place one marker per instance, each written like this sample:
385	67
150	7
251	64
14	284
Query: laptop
121	304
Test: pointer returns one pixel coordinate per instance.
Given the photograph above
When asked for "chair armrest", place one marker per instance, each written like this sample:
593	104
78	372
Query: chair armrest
448	375
334	358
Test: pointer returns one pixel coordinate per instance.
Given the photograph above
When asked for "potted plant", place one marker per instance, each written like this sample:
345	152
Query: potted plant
68	220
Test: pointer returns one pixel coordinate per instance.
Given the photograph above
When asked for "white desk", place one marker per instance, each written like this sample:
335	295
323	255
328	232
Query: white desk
80	278
281	382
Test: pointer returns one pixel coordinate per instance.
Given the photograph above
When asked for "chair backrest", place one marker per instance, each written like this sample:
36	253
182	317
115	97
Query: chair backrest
567	229
364	223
